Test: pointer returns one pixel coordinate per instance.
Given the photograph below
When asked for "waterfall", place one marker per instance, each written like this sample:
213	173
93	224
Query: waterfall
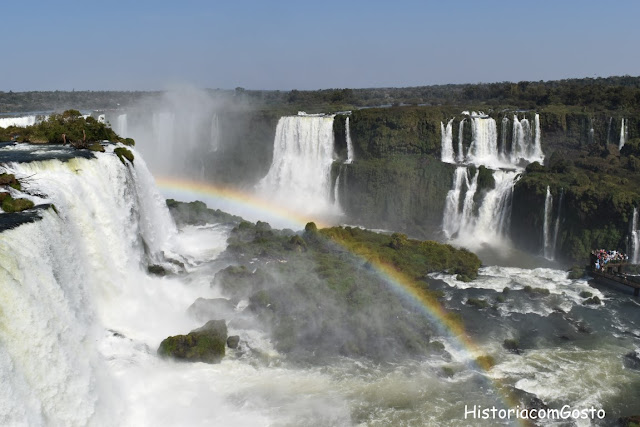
350	156
537	154
300	174
447	142
460	142
466	216
484	146
556	227
635	238
215	133
22	121
546	229
521	139
494	213
451	220
68	278
623	134
609	130
121	125
503	138
336	191
101	118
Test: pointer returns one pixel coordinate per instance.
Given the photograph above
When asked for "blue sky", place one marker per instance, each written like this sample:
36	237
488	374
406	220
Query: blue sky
129	45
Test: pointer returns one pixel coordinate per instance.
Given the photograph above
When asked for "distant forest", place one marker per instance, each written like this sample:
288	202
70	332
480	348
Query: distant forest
611	93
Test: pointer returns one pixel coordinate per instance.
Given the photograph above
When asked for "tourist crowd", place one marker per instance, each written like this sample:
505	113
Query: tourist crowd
603	257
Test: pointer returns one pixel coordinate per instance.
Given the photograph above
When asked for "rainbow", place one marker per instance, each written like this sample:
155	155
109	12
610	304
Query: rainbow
447	323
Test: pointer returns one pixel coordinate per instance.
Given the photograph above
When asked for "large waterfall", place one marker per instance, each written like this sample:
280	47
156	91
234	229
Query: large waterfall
474	219
300	175
546	229
68	279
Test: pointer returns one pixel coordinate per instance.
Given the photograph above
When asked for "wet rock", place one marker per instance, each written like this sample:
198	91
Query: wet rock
594	300
233	341
157	270
205	344
632	360
511	345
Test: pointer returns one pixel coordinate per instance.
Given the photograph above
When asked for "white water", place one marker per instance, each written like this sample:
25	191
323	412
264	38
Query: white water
299	178
484	145
451	222
447	142
503	138
623	134
460	157
21	121
350	154
479	225
546	229
635	238
336	191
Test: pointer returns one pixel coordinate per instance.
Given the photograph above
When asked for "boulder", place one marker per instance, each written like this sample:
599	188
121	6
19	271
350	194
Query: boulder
233	341
205	344
632	360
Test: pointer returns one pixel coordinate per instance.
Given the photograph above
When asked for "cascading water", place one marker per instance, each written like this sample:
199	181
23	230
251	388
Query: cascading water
336	191
546	229
447	142
460	157
350	154
623	134
503	138
635	237
556	227
451	223
21	121
537	155
300	174
60	276
484	145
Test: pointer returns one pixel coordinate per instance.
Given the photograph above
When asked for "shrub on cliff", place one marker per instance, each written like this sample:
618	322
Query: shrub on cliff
124	153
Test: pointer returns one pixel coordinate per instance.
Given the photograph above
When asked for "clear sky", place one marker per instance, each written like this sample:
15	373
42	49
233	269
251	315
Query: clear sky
144	44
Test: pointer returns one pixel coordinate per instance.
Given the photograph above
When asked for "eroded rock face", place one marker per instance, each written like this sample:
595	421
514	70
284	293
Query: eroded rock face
205	344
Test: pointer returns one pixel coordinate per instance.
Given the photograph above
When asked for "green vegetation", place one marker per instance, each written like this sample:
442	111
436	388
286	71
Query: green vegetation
536	291
318	291
67	127
477	302
124	153
610	93
10	204
205	344
10	180
197	213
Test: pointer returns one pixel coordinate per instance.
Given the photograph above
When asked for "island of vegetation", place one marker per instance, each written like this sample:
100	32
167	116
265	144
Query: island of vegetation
316	291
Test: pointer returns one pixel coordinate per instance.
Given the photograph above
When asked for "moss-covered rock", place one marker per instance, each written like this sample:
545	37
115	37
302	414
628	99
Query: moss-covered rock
477	302
205	344
128	141
512	345
124	153
96	147
486	362
576	272
594	300
536	291
15	205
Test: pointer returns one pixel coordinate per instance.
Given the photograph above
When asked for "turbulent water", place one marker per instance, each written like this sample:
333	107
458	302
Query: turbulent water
80	320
